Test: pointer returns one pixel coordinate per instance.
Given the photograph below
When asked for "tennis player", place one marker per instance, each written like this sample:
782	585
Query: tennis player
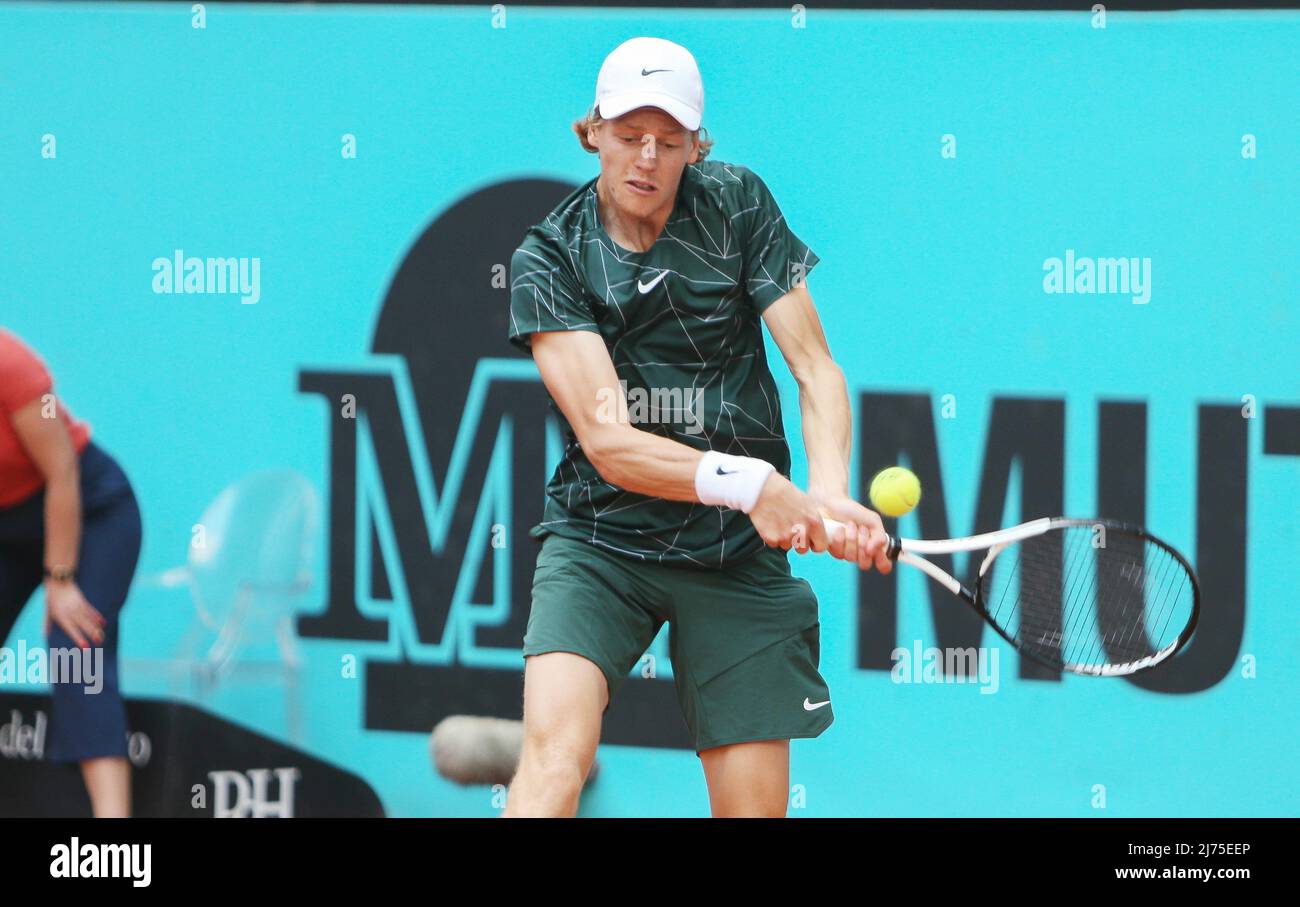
640	298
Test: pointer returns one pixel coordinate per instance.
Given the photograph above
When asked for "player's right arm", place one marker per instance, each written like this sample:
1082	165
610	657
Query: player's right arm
579	375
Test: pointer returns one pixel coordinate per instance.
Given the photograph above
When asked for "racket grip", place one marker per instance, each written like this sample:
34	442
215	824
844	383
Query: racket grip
834	526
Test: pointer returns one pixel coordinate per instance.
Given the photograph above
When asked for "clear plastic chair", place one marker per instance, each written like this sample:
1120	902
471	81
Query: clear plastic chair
250	562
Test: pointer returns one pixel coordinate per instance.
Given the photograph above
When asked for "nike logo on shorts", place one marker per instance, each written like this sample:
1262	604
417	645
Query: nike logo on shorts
812	706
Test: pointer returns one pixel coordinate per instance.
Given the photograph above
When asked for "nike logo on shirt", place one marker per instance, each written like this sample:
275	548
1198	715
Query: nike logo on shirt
647	287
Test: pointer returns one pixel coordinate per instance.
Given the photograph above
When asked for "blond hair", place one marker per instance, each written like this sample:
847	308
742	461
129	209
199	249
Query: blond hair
593	119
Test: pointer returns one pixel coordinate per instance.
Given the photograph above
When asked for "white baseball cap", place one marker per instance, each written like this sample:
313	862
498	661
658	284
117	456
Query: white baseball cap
651	72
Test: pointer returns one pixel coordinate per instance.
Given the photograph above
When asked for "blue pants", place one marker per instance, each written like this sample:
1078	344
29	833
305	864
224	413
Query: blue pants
84	724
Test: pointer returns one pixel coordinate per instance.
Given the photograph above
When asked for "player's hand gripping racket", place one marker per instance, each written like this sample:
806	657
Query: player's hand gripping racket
1093	597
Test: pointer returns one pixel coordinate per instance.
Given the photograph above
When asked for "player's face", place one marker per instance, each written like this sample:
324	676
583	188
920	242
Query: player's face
642	156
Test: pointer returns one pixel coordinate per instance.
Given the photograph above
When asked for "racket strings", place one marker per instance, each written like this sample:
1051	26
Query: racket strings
1105	616
1107	619
1076	597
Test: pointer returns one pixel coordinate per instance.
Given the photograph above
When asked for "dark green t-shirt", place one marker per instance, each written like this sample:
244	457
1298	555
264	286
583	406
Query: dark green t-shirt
681	323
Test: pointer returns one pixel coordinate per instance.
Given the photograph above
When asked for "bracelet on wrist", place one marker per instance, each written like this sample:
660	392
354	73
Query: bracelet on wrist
60	574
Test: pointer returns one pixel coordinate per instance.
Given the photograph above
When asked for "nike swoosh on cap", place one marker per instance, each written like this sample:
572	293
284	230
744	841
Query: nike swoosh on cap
646	72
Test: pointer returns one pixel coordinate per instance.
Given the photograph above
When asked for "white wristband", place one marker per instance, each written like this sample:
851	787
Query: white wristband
728	481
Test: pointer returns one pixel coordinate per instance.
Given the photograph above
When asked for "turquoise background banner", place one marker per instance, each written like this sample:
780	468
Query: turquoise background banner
935	162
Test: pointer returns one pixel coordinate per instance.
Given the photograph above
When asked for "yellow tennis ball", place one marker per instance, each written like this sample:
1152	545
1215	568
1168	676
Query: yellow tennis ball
895	491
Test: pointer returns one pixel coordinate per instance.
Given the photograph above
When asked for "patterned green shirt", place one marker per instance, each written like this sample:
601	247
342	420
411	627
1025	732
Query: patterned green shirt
681	323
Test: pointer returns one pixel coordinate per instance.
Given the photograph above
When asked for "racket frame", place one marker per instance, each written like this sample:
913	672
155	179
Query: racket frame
908	551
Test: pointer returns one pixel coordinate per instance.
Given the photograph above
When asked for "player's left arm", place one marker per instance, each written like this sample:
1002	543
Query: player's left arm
827	424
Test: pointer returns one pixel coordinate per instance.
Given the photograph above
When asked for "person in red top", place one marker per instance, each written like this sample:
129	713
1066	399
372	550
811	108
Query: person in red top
69	520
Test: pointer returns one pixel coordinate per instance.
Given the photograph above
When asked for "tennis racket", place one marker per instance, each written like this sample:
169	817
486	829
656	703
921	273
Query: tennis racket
1093	597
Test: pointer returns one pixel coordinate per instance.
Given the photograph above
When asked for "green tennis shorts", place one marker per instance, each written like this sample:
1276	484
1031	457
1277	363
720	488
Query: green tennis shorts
744	641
